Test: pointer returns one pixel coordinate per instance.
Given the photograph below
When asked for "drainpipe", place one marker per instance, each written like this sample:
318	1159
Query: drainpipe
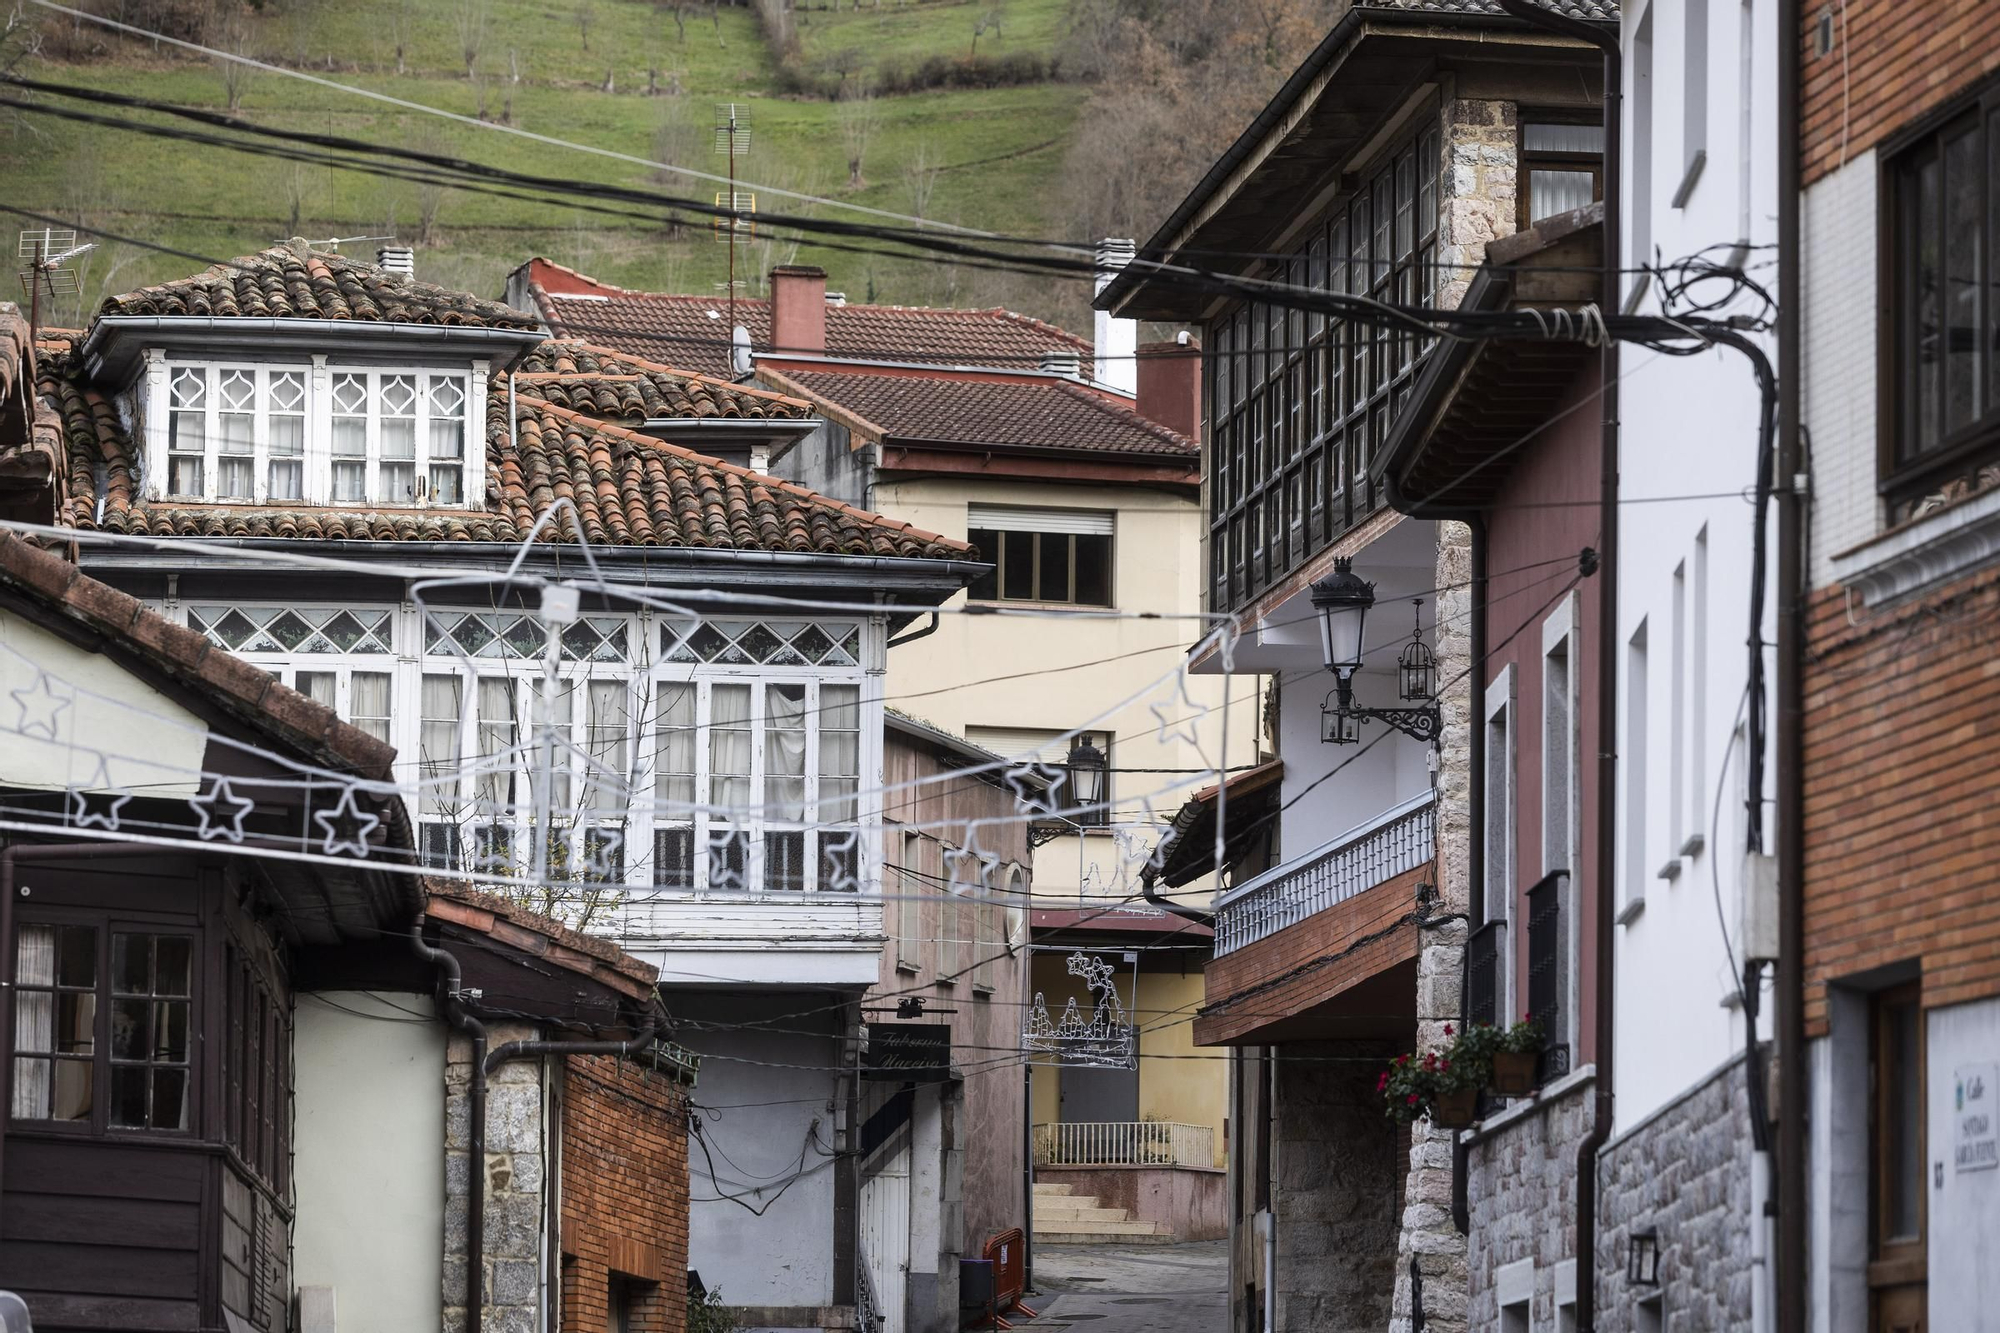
1602	1028
1790	1027
475	1145
10	856
523	1050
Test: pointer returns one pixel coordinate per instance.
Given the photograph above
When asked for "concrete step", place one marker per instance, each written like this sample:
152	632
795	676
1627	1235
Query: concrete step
1116	1227
1070	1236
1046	1215
1042	1189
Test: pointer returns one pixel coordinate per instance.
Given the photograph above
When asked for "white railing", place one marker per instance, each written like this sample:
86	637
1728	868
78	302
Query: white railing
1124	1143
1400	839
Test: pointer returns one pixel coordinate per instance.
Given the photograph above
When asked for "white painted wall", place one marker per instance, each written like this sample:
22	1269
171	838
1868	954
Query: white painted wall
368	1143
1964	1204
65	707
768	1087
1156	568
1689	427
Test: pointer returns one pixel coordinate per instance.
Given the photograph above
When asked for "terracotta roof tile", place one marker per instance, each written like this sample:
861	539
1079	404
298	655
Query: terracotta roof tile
30	432
540	936
620	387
291	281
629	490
694	331
180	652
1017	414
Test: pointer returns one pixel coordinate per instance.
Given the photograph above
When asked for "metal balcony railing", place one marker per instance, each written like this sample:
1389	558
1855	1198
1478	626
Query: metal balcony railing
1396	841
1124	1143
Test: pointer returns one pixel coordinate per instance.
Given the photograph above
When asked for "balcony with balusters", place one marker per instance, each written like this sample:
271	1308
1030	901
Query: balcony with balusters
1299	937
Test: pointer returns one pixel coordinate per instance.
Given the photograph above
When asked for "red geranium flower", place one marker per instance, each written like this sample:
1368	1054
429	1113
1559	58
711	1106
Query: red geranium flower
1411	1099
1447	1029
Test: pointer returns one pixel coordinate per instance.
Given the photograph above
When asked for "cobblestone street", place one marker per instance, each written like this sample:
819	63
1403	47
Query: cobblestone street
1132	1289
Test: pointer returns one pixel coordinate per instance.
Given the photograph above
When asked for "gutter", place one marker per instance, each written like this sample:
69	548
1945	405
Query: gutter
547	558
106	330
1604	1030
1790	1029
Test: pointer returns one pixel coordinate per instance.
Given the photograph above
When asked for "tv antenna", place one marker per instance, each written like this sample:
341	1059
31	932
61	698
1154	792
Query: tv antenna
732	136
47	251
333	243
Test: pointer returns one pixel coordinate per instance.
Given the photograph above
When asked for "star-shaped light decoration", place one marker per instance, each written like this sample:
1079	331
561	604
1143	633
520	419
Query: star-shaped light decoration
840	861
40	707
1178	712
97	803
221	812
597	851
1037	788
956	859
347	826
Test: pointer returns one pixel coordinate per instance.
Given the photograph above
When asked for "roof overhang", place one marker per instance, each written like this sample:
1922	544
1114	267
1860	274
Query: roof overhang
1477	400
729	431
1187	850
1374	65
111	349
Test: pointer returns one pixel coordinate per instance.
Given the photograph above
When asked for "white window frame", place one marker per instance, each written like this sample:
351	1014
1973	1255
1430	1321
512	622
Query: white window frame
373	490
1502	875
408	663
316	462
908	891
1634	739
1560	635
212	374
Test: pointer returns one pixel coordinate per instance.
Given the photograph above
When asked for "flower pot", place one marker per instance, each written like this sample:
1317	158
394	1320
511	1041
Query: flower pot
1455	1110
1514	1073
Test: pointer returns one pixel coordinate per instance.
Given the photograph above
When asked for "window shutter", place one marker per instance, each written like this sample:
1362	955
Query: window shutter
1006	518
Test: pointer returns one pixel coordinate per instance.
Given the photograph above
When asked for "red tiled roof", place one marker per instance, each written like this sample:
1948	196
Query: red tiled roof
290	281
541	937
1050	413
619	387
629	490
30	443
694	331
184	654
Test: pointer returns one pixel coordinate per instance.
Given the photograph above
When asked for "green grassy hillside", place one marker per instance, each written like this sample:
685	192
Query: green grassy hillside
993	153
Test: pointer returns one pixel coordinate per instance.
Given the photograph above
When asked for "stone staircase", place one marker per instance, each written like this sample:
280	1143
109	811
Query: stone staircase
1063	1217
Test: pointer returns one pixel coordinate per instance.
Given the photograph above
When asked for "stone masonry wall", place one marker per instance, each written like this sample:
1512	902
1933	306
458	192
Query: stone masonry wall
1478	200
1521	1195
513	1179
624	1195
1334	1192
1428	1233
1685	1173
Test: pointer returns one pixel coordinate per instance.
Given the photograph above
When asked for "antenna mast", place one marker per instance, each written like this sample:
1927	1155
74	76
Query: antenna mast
732	136
46	251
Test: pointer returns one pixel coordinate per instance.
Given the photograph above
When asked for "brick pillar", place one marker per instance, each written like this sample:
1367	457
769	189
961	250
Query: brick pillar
1428	1233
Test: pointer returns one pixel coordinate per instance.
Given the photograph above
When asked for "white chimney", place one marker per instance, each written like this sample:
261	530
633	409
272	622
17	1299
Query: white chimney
1117	339
397	259
1058	361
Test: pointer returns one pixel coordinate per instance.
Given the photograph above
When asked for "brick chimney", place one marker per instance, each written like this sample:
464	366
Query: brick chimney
798	309
1169	389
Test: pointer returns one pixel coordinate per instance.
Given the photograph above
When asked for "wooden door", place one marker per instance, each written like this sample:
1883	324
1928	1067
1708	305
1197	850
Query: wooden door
1897	1267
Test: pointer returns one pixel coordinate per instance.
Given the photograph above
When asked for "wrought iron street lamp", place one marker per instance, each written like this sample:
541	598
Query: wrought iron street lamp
1088	770
1342	600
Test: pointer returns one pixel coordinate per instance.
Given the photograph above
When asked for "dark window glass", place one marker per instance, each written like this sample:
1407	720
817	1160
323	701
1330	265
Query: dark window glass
784	859
1903	1169
673	857
728	859
1963	207
1093	569
1053	551
1017	566
987	587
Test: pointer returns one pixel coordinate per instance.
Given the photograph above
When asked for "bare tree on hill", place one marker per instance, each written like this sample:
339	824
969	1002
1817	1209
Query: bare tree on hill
859	119
470	21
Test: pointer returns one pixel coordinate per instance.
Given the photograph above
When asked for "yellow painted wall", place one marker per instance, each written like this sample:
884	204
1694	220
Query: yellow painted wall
1179	1081
946	678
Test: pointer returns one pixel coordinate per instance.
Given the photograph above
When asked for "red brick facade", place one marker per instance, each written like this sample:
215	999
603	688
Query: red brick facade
1900	792
1303	965
624	1196
1895	61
